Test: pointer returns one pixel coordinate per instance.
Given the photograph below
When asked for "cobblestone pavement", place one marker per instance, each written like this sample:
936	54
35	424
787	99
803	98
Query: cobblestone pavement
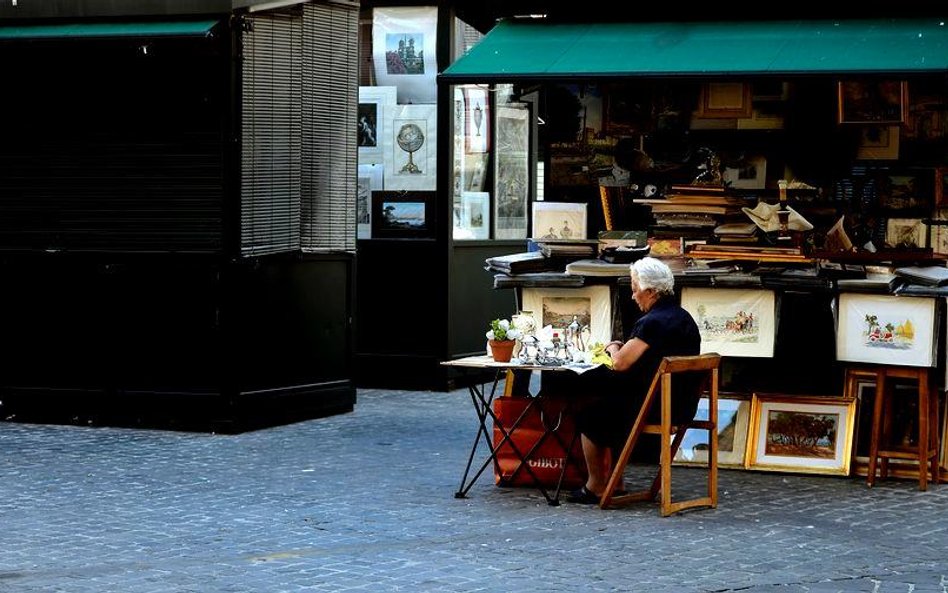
364	502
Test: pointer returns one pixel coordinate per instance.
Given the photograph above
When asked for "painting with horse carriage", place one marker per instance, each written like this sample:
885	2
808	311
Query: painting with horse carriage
733	322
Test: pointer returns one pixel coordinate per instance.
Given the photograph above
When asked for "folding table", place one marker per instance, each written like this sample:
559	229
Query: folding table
483	399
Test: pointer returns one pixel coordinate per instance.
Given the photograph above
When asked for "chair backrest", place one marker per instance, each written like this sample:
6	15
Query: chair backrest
702	372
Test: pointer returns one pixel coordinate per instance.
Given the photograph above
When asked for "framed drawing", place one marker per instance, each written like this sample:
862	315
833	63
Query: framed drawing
559	220
404	51
591	306
368	181
403	214
872	101
886	329
370	125
513	131
475	215
733	420
906	233
477	120
409	145
725	100
511	187
878	143
800	434
733	322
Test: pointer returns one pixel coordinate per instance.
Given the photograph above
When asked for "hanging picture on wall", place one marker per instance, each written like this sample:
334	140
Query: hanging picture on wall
370	121
474	216
590	306
513	130
559	220
878	143
511	184
886	329
733	322
369	180
804	434
733	420
410	147
403	215
872	101
477	120
404	50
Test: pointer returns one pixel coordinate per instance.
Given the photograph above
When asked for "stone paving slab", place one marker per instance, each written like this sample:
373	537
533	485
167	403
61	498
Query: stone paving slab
364	502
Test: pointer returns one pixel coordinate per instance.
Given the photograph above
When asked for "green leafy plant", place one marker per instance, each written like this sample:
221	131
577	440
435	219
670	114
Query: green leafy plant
500	329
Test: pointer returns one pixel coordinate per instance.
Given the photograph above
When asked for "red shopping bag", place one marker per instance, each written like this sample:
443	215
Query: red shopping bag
547	461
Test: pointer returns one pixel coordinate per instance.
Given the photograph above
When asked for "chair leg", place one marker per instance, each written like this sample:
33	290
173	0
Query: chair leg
665	460
713	440
619	464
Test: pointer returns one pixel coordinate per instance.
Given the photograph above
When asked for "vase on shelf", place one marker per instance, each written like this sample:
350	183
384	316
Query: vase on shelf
501	350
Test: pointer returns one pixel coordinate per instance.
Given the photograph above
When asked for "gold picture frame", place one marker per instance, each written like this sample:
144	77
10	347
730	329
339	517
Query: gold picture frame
872	102
801	433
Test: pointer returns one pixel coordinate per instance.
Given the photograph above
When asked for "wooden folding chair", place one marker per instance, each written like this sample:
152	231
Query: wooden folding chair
670	365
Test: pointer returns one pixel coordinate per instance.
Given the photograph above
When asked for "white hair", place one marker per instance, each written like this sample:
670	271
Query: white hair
653	274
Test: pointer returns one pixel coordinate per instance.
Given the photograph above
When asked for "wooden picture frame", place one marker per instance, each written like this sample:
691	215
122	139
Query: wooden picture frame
733	422
403	214
886	329
872	101
805	434
725	100
732	321
556	306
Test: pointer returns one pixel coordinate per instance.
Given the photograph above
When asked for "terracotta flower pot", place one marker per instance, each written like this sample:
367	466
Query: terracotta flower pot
502	349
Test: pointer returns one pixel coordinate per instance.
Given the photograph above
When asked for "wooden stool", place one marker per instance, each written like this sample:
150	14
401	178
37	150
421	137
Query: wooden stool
670	365
927	449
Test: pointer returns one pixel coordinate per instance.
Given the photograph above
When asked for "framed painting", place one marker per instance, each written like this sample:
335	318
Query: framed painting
733	322
403	214
803	434
371	123
409	145
475	215
733	420
725	100
872	101
559	220
886	329
591	306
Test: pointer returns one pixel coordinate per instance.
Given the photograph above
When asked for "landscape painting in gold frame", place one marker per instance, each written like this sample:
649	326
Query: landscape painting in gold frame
802	434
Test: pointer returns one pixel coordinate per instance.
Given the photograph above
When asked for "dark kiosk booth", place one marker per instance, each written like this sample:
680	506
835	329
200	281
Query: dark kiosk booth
175	179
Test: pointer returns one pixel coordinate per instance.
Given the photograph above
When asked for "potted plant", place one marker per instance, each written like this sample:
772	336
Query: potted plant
501	338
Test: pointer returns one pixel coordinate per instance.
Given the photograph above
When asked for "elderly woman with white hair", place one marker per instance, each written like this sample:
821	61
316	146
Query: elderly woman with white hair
609	401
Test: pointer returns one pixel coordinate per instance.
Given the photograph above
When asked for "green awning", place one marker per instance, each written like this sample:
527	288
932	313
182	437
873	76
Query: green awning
148	29
535	48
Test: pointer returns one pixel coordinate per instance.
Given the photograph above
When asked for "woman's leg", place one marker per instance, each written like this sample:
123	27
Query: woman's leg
598	464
